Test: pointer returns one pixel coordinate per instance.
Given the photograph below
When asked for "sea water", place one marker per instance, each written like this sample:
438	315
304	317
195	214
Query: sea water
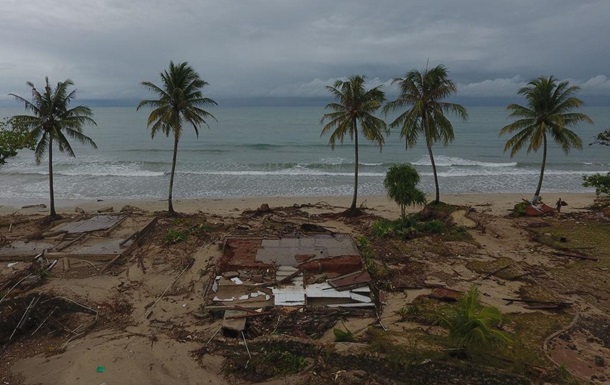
278	151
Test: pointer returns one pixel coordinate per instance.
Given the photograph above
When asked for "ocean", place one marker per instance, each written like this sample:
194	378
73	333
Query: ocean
278	151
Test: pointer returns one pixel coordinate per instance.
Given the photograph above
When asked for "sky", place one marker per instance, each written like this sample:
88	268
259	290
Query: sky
283	48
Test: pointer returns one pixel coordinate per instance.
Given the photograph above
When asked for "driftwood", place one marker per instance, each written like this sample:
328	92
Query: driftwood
497	271
40	205
577	256
70	243
537	304
249	315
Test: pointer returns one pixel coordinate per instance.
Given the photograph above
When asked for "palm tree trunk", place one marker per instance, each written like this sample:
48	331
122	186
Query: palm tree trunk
51	194
170	207
537	193
438	197
352	209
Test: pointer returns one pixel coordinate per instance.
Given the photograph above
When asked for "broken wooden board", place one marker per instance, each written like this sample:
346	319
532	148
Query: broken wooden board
234	320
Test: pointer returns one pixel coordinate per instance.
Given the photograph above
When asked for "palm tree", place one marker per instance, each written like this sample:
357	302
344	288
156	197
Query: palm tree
548	112
355	106
422	92
54	121
180	101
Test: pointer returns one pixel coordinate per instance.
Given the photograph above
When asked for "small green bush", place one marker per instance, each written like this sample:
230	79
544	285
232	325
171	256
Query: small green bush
519	209
343	336
174	236
599	181
279	362
432	227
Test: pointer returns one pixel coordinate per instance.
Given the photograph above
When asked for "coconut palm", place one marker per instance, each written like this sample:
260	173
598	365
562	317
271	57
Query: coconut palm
180	101
422	92
548	112
602	138
354	106
53	120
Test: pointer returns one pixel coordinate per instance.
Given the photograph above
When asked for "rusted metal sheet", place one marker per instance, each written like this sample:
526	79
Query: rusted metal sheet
351	281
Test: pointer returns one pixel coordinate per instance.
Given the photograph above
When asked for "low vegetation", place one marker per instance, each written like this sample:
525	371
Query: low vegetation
471	324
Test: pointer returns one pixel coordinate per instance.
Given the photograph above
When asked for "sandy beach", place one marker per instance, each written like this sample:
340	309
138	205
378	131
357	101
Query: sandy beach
494	203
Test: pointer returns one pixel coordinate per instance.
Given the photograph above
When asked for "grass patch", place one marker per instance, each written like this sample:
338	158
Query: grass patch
530	331
503	267
174	236
423	311
587	237
457	234
407	228
181	230
399	356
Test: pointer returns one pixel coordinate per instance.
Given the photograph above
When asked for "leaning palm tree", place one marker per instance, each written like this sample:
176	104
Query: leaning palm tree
548	112
355	106
53	120
422	92
180	101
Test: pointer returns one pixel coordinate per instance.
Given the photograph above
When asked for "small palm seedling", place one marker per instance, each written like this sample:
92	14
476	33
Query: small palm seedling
471	324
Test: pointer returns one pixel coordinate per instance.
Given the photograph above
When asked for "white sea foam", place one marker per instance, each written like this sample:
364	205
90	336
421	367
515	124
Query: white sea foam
446	161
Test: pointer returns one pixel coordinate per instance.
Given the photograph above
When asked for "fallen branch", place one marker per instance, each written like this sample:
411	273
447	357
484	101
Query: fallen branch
537	304
14	286
248	315
577	256
497	271
25	315
45	320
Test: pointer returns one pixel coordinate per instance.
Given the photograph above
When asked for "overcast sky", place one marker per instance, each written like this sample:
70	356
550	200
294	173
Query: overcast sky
253	48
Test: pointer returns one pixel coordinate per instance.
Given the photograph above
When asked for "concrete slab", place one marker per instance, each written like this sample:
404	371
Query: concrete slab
97	223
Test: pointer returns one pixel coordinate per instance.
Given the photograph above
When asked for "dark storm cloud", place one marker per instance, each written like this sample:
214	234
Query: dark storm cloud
294	48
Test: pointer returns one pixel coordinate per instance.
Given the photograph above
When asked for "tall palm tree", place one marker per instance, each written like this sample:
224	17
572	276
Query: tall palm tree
355	106
548	112
180	101
53	120
422	92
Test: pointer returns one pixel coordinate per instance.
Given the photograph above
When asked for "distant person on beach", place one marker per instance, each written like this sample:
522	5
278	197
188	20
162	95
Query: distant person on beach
559	204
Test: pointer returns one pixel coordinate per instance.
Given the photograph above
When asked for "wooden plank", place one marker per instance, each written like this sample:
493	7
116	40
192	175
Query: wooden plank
128	250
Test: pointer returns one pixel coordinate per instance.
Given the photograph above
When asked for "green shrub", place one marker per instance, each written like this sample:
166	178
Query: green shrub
174	236
599	181
343	336
519	209
432	227
382	228
401	184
